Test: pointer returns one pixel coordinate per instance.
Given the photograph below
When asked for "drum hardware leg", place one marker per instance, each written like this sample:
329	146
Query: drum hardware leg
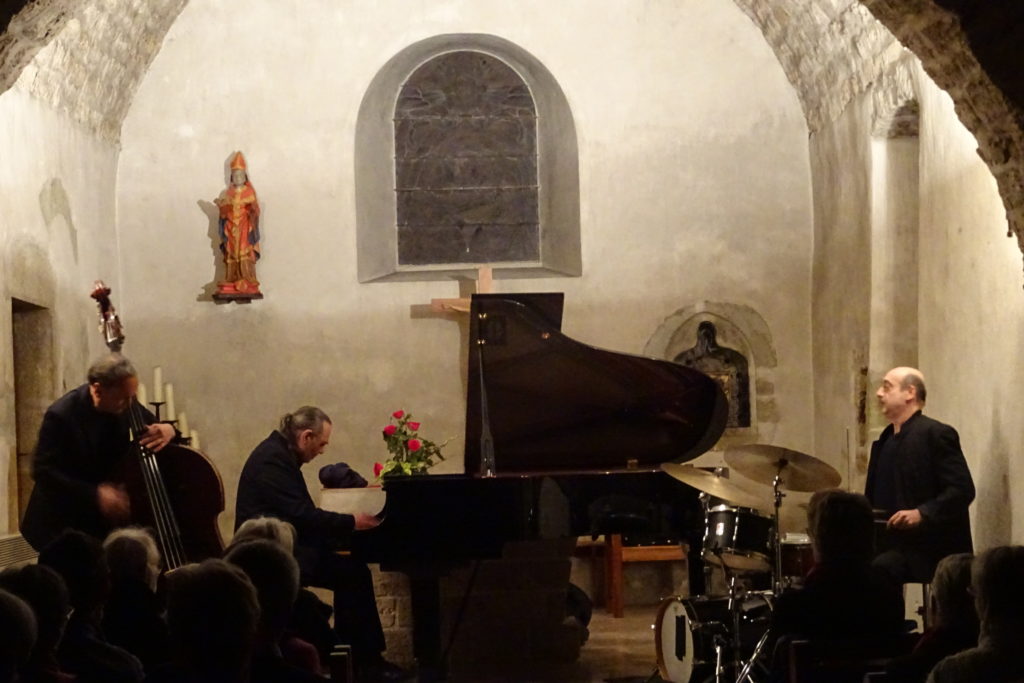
719	647
745	672
777	564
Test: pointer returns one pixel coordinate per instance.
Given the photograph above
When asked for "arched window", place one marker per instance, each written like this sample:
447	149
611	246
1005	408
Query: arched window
465	154
466	163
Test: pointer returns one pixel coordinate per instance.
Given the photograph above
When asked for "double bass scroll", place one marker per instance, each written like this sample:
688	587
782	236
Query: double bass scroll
177	491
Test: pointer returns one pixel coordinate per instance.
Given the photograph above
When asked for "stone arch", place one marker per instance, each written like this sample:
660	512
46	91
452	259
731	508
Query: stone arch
376	238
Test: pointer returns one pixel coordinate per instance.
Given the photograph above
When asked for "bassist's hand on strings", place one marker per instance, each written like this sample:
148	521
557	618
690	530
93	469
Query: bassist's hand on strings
157	436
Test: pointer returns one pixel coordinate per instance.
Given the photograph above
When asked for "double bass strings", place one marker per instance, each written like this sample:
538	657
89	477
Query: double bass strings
168	533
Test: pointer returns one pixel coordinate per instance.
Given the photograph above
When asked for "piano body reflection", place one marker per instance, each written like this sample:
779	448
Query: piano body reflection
562	440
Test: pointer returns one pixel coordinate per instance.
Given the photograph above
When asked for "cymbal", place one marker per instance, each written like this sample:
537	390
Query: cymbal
717	486
798	471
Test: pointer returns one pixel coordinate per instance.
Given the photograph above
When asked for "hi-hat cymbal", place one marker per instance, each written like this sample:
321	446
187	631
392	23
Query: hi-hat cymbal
798	471
717	486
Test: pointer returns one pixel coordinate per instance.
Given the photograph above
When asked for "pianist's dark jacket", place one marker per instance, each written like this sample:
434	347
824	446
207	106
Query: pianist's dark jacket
272	485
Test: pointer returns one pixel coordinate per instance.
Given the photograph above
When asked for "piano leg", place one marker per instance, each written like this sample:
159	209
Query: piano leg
426	628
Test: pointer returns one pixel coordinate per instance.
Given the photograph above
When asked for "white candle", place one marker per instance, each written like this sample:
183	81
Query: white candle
158	385
169	398
183	424
195	439
140	394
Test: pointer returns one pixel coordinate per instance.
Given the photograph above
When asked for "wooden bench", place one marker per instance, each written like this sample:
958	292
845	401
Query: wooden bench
616	555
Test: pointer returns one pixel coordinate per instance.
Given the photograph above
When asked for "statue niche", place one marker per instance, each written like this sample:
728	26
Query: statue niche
726	366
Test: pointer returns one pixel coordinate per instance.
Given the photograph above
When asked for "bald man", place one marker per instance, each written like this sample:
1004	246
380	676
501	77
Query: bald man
919	478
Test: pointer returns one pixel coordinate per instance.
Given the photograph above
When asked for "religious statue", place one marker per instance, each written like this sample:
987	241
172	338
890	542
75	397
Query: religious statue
725	366
239	231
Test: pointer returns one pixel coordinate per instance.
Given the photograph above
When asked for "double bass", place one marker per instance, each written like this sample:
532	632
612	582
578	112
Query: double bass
177	492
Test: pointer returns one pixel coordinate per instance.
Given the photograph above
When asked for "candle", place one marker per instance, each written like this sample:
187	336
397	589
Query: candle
183	424
195	439
140	394
158	384
169	398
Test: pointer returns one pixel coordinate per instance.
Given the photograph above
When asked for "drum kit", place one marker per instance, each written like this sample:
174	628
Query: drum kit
704	638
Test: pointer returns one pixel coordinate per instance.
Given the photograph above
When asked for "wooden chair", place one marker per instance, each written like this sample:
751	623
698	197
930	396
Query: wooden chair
843	661
616	554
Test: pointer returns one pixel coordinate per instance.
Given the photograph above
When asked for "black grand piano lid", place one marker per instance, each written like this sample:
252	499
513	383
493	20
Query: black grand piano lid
555	404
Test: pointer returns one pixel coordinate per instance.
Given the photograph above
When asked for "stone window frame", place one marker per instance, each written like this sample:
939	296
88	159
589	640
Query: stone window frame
558	167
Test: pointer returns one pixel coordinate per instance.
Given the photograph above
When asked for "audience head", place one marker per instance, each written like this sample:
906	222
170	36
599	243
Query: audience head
78	558
275	574
212	616
840	525
951	598
132	555
44	591
999	593
18	626
267	529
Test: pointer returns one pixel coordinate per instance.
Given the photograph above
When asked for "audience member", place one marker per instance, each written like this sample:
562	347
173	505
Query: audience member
308	639
999	600
212	617
44	591
133	618
18	626
275	574
954	623
843	597
84	651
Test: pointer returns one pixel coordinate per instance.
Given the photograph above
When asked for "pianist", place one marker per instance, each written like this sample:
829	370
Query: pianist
272	485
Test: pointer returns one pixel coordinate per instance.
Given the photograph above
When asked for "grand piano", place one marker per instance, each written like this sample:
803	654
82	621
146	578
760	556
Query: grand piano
562	440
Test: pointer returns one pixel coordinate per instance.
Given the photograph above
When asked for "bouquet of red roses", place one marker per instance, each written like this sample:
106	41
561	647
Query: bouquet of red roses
410	452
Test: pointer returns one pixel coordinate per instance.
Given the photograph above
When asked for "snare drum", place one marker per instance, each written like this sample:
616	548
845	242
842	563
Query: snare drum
742	537
686	631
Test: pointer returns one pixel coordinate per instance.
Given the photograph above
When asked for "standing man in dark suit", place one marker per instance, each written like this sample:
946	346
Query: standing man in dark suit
82	443
918	476
271	485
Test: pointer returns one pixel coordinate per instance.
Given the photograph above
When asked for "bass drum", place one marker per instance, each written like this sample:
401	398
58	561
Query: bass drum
687	630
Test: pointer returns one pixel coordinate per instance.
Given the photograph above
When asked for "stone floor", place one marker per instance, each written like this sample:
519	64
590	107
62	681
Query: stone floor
617	651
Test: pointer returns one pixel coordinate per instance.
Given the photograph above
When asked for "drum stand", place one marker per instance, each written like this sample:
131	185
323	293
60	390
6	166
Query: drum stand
745	672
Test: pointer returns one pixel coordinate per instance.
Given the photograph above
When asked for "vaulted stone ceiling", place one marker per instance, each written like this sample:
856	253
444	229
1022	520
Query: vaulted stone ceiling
87	57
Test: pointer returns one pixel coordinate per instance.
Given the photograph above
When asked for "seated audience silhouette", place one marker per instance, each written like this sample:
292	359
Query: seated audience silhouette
308	638
954	626
84	651
18	626
212	617
44	591
843	597
996	581
275	574
133	618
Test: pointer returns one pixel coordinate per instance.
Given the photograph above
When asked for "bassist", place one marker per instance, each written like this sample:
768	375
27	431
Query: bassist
83	441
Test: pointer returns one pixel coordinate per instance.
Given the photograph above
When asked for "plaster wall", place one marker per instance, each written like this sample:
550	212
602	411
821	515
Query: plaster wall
56	237
694	185
841	161
971	313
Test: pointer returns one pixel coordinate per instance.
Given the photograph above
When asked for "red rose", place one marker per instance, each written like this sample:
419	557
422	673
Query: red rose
390	429
413	425
415	445
398	414
377	467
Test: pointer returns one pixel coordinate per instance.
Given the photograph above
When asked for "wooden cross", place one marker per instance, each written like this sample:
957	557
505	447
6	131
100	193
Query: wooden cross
484	285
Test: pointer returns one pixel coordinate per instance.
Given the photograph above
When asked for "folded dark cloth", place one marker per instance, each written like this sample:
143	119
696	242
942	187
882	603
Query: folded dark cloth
341	476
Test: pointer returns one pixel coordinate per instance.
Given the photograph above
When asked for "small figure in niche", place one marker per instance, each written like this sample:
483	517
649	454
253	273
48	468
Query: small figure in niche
725	366
238	226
